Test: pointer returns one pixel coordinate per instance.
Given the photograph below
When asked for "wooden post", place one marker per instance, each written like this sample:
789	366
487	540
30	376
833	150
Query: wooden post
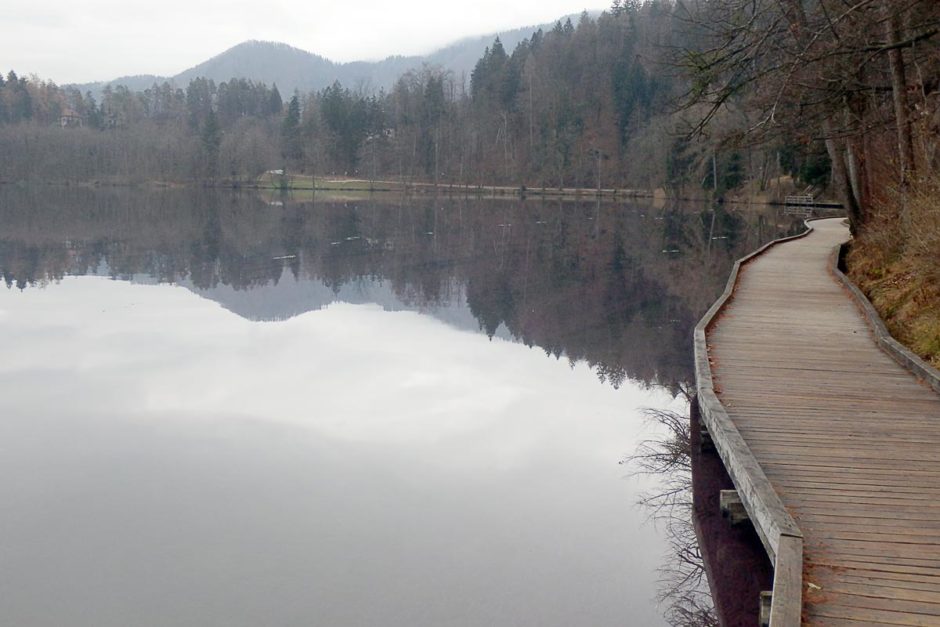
732	508
706	444
766	601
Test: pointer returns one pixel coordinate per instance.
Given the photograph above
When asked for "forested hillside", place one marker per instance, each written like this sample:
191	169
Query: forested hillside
586	103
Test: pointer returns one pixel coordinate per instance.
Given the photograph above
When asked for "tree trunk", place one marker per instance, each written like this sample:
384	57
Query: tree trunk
899	90
835	146
851	161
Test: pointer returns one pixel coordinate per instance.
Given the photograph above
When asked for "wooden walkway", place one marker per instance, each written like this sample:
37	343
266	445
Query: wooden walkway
848	439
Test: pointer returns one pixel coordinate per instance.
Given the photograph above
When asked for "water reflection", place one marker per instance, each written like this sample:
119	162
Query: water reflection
168	463
716	571
737	567
347	449
616	287
683	586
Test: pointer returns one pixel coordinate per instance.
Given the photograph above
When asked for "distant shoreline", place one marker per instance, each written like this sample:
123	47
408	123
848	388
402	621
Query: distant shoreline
359	187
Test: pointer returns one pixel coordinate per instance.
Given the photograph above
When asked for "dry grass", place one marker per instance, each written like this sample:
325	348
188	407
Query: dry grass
896	262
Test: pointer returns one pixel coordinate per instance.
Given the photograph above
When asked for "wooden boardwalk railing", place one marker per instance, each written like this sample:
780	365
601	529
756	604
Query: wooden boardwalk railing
834	447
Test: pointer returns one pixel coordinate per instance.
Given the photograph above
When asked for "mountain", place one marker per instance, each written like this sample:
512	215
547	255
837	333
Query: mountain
268	62
295	69
138	82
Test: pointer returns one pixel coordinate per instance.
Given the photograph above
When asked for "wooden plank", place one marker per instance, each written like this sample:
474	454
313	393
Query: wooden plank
828	614
901	581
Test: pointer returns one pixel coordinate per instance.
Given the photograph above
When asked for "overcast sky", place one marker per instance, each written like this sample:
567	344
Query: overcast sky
103	39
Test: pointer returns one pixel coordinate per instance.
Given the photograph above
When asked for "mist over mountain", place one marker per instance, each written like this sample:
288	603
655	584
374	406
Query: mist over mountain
293	69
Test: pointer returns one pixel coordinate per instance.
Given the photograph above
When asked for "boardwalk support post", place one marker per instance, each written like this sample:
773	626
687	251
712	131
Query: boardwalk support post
766	600
706	444
732	507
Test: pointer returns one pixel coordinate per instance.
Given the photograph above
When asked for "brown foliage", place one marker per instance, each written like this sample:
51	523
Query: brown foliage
897	264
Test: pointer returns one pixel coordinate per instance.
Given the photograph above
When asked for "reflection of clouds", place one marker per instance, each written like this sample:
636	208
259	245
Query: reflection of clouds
349	372
346	453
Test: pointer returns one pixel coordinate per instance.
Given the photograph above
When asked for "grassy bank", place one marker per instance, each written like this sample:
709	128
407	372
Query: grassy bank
896	262
302	182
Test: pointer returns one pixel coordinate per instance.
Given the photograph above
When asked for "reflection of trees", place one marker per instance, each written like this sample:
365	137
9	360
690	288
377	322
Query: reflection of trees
737	566
617	287
683	590
714	572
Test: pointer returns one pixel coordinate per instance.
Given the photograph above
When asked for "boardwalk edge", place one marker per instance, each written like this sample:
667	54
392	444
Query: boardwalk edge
897	351
779	533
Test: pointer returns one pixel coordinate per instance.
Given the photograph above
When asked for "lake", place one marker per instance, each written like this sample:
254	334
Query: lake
231	409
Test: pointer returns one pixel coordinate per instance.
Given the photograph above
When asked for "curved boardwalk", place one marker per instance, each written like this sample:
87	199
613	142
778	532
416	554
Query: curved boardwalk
849	439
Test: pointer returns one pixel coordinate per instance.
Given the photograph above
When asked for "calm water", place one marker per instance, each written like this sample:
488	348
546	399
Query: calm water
225	410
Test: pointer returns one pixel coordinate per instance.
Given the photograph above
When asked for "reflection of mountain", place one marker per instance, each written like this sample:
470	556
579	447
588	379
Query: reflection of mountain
291	297
618	287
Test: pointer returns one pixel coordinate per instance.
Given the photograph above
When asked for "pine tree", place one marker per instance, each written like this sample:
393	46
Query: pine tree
275	104
291	138
18	101
3	106
211	137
